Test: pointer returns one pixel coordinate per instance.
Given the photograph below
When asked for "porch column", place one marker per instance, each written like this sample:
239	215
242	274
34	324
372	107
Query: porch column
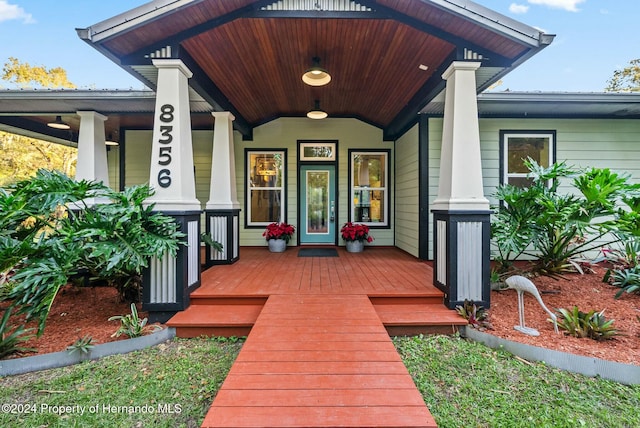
461	212
92	151
222	211
169	280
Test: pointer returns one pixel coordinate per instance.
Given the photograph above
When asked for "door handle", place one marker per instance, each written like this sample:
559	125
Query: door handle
332	217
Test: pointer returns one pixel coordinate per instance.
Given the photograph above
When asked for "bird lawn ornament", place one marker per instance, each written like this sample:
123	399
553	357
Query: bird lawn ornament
522	284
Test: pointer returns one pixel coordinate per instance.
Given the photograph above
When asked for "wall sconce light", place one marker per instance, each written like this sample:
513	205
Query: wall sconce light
58	124
316	75
317	112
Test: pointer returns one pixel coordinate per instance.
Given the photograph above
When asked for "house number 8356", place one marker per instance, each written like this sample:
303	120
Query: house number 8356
164	158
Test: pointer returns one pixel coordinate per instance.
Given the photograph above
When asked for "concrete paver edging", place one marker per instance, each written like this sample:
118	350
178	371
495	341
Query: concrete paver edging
627	374
65	358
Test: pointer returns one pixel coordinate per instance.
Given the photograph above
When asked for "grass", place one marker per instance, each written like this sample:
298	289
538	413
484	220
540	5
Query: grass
463	383
172	385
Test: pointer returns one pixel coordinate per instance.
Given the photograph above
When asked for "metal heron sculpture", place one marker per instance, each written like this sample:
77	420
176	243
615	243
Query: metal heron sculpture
522	284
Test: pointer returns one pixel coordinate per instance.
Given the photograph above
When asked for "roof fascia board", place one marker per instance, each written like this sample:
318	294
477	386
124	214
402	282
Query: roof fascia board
561	97
127	21
494	21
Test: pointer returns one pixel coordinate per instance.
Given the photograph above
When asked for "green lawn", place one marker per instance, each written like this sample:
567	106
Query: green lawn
172	385
467	384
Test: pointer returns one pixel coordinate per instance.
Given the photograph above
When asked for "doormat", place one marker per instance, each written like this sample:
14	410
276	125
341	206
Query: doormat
317	252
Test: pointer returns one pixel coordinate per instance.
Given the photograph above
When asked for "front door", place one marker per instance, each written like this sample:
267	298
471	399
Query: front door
317	196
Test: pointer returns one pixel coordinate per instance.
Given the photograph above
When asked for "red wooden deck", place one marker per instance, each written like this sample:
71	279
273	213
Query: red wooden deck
318	352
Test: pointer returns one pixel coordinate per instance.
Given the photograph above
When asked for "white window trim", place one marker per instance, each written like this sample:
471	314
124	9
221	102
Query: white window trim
529	134
249	188
385	189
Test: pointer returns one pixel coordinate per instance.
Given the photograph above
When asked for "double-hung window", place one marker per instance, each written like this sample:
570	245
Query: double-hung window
369	187
517	146
265	173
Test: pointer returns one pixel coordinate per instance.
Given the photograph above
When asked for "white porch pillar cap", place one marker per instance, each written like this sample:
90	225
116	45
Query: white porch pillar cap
173	63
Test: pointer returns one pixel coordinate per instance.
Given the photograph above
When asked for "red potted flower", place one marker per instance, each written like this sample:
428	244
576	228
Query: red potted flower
355	235
278	235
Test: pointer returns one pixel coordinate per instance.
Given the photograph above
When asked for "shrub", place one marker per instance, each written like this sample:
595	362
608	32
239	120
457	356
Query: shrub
628	280
45	244
82	345
590	324
476	315
555	227
131	325
10	341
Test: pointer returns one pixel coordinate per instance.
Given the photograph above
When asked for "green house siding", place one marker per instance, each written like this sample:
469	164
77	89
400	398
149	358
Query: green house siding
278	134
602	143
406	181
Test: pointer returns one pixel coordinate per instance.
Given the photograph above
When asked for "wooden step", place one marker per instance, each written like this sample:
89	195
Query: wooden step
223	320
408	319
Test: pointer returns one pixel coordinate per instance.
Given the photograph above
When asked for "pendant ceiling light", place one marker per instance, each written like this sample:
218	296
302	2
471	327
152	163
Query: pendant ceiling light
58	124
317	112
316	75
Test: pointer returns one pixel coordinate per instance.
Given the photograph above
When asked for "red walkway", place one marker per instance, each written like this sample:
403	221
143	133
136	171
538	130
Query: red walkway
318	361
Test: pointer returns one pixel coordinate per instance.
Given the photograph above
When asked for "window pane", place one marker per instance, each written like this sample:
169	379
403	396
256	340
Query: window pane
265	205
317	202
265	169
520	181
369	170
378	209
369	187
520	148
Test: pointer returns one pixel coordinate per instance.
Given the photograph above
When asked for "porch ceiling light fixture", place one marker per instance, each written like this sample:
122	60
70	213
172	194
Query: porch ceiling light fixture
316	75
58	124
317	112
110	141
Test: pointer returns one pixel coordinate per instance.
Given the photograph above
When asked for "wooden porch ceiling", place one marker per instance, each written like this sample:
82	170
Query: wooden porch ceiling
248	56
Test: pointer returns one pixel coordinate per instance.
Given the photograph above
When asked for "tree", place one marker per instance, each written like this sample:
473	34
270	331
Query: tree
626	79
23	156
23	74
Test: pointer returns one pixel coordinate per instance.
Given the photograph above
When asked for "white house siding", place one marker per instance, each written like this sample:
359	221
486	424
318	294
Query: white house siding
278	134
406	219
601	143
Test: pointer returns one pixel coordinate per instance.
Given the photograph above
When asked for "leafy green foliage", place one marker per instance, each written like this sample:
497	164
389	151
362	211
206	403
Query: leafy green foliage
48	234
590	324
131	325
554	227
476	315
10	341
628	280
82	345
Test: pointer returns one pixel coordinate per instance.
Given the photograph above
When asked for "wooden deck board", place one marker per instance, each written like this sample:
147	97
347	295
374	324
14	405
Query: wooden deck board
284	378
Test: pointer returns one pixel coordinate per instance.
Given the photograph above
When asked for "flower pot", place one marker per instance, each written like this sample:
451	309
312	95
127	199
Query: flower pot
277	245
355	246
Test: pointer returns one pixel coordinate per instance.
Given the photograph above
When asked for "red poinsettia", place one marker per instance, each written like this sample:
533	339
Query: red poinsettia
279	231
355	232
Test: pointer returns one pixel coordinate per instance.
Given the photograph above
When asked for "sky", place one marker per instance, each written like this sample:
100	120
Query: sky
593	39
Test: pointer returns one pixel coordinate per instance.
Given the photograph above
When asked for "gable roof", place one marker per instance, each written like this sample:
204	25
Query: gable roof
248	56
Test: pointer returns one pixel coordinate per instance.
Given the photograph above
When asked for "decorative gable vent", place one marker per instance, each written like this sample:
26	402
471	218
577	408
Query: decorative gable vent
318	5
471	55
160	53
